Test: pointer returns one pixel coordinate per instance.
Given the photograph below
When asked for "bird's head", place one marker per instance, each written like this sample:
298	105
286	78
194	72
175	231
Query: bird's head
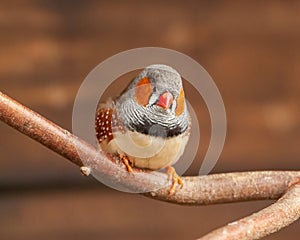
158	87
155	96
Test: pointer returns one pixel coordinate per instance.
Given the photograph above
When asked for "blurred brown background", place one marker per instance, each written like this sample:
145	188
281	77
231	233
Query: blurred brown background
252	51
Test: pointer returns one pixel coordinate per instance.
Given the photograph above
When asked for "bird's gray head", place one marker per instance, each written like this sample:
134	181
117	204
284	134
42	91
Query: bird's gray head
154	98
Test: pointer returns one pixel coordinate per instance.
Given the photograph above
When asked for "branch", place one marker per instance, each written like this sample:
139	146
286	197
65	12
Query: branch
211	189
282	213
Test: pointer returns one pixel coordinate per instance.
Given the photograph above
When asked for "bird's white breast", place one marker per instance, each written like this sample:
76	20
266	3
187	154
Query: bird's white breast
147	151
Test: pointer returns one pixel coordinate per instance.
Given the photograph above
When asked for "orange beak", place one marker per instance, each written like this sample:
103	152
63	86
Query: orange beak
165	100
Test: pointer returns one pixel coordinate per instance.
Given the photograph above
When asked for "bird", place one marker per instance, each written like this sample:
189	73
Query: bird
148	125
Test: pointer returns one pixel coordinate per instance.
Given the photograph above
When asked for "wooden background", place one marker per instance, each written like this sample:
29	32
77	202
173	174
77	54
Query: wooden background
250	48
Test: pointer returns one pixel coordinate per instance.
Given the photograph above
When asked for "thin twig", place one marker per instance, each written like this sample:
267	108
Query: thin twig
215	188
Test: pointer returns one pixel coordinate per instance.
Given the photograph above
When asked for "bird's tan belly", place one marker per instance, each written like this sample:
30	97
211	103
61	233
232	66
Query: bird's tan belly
147	151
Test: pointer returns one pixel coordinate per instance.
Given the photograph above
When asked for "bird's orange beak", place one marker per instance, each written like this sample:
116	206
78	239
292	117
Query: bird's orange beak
165	100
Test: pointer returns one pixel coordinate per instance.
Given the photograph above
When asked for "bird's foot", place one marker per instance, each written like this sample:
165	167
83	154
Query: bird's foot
127	162
175	179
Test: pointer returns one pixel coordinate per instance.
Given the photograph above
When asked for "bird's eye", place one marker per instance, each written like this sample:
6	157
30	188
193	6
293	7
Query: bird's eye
143	91
180	103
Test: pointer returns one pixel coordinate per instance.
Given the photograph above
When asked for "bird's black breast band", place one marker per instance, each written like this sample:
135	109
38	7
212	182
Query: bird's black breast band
158	130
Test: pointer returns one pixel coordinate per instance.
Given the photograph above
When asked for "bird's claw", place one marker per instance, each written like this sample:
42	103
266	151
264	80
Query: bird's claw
175	179
127	162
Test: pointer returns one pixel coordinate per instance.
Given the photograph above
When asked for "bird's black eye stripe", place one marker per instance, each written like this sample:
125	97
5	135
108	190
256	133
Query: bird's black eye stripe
171	107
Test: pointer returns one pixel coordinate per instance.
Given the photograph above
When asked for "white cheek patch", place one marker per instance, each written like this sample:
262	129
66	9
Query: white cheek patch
174	105
152	99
